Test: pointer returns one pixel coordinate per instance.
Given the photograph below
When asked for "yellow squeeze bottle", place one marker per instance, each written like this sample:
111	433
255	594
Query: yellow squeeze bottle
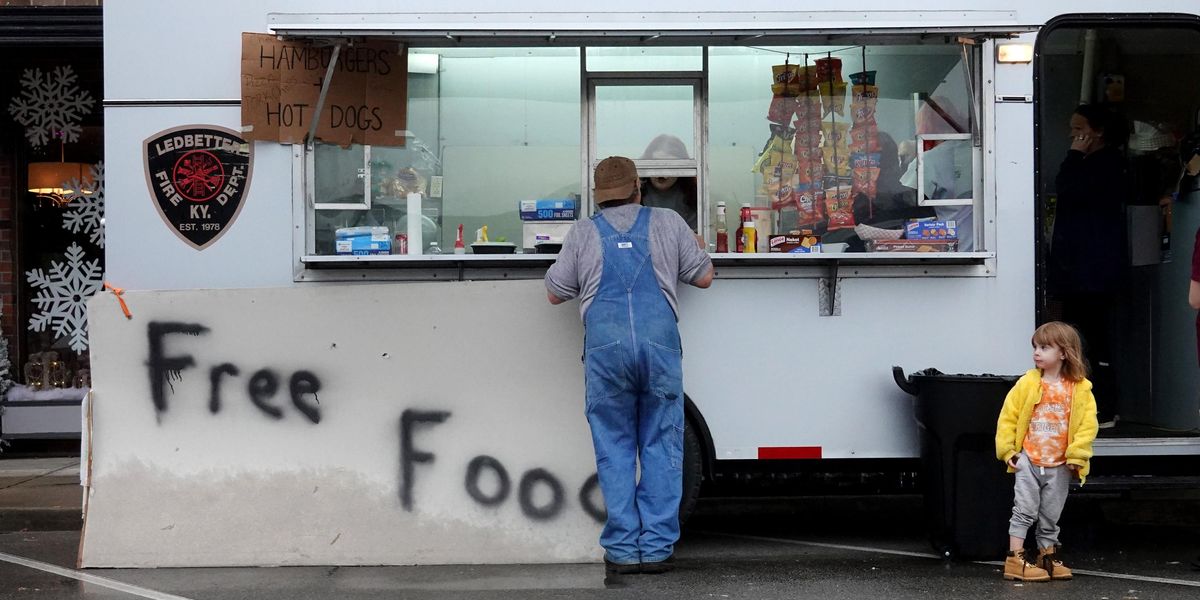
750	245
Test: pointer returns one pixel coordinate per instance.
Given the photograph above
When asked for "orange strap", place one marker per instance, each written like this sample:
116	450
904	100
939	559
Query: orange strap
117	292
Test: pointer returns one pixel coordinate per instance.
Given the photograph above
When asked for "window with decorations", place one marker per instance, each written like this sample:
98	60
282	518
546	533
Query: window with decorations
51	221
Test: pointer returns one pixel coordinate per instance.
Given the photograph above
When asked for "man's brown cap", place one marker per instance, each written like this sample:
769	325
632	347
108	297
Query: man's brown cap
616	179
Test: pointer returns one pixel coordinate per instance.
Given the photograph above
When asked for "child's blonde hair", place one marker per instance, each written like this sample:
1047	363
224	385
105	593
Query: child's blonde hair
1065	338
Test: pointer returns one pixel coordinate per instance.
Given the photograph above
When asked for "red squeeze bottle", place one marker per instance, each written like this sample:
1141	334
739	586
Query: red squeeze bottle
458	242
741	234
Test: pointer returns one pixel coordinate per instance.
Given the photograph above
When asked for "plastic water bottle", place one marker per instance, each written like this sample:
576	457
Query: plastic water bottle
722	229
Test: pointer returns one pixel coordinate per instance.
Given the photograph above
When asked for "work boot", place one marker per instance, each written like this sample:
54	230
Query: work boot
612	568
1048	558
1017	568
659	567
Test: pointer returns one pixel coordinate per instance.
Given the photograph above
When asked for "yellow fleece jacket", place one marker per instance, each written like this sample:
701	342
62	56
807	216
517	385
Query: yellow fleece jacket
1018	410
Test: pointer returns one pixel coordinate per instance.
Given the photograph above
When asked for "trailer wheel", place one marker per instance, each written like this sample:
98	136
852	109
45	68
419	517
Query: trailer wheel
693	469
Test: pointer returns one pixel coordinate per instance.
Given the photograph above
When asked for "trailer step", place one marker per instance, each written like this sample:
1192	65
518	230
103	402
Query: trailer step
1117	483
1147	446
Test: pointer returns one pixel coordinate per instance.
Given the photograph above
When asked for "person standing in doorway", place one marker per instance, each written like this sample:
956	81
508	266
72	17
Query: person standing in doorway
1087	254
1190	155
675	193
623	264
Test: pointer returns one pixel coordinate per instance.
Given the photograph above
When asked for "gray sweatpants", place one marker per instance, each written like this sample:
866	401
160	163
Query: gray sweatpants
1038	495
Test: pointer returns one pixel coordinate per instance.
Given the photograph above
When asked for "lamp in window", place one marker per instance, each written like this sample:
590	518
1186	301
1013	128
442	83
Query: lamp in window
49	180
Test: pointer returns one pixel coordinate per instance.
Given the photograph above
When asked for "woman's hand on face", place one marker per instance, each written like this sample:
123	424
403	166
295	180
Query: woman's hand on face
1082	143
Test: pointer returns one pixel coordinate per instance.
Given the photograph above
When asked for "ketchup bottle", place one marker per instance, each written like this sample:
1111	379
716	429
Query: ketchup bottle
741	232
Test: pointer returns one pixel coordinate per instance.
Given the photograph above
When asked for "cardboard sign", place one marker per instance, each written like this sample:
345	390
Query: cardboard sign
198	175
366	103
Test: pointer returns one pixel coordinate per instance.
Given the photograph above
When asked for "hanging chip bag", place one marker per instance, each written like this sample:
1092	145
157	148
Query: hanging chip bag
833	97
865	174
810	200
839	205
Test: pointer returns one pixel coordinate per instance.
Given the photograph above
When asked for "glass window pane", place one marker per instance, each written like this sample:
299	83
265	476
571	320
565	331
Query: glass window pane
645	59
337	175
947	169
858	112
629	118
489	127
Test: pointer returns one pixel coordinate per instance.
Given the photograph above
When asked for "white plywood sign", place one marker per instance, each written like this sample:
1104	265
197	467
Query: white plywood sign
349	425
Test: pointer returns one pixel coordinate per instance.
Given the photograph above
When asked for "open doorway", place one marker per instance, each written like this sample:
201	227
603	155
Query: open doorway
1116	233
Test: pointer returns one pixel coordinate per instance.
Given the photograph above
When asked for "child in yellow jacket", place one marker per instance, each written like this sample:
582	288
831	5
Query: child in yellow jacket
1044	435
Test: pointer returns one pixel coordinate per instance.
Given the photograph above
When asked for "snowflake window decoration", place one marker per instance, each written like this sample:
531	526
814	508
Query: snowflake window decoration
50	103
85	205
63	294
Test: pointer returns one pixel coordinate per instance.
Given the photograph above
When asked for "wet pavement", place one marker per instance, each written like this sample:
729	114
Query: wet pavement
1122	547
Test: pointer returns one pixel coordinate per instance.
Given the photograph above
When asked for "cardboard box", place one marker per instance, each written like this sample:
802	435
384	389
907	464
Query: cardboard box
912	246
362	240
794	244
931	230
549	209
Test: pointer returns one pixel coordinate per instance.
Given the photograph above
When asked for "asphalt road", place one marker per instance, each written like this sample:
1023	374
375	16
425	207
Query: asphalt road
826	547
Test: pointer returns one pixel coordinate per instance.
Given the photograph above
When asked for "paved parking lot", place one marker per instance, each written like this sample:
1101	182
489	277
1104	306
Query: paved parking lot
826	547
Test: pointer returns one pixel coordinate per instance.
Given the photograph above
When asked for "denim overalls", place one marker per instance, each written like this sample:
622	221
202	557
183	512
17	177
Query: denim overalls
633	368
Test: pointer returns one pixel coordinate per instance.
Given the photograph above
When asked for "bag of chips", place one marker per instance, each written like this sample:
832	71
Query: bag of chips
864	98
839	206
808	106
834	134
781	110
785	170
864	137
792	80
810	171
828	69
771	155
809	201
864	169
837	161
782	130
784	198
833	97
861	114
863	78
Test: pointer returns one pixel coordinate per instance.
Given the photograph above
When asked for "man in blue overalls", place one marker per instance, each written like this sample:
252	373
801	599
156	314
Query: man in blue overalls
623	264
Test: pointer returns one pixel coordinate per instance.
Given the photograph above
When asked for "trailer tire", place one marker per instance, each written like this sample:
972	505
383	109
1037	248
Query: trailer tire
693	470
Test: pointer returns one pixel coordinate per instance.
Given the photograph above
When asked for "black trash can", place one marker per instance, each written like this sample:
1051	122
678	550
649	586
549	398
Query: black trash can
968	494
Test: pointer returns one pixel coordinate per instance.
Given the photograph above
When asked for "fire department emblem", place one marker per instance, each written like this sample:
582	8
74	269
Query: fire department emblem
198	176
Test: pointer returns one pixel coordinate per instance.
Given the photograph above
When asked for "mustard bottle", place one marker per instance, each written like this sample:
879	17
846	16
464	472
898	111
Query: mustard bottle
750	244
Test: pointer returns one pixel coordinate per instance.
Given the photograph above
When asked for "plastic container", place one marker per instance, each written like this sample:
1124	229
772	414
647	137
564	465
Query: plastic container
967	492
750	243
722	229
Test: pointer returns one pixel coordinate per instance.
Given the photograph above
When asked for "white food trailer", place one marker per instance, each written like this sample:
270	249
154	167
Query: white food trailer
270	400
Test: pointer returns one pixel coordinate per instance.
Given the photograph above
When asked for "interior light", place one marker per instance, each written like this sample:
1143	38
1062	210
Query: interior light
47	179
1014	53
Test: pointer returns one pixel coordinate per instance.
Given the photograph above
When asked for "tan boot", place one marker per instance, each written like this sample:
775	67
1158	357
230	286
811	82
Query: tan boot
1016	568
1049	560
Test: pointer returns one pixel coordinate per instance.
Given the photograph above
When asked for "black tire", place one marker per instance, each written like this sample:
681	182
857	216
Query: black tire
693	471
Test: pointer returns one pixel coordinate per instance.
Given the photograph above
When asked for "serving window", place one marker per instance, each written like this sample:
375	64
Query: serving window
867	149
861	149
487	129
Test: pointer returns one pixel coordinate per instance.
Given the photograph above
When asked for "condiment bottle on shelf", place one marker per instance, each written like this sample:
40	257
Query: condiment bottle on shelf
722	229
750	243
740	235
459	248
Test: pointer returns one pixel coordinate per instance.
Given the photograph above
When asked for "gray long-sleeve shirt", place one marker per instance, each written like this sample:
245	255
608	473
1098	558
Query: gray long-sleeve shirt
673	251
